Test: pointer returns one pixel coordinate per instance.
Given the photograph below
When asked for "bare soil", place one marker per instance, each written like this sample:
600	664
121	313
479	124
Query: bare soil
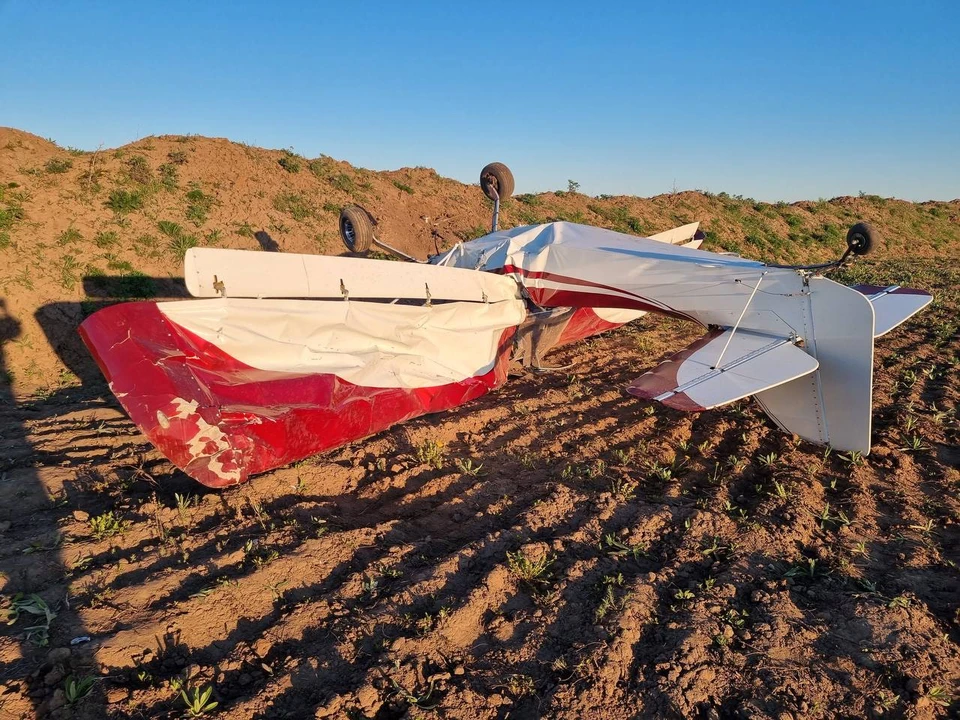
557	549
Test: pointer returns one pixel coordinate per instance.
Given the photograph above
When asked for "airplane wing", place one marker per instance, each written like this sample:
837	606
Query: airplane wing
692	379
893	305
299	354
215	272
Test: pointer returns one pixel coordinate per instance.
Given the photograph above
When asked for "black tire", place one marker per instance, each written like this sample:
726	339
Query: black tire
861	238
496	176
356	229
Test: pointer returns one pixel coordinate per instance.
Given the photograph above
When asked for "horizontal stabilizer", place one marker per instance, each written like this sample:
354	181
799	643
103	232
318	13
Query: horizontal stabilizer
687	235
215	272
893	305
691	380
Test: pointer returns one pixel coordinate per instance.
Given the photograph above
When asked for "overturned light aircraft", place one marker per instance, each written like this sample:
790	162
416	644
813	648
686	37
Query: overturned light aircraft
290	355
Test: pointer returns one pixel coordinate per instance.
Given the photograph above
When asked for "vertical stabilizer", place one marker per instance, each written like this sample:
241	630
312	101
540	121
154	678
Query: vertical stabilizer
833	405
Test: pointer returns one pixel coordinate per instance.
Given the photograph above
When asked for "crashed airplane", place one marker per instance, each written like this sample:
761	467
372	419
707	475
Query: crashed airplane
284	356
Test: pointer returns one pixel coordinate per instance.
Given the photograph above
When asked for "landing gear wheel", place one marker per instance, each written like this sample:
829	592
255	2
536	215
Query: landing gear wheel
356	229
496	176
861	238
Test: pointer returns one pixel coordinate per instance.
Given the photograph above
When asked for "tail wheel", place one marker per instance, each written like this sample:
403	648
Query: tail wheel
496	177
356	229
861	238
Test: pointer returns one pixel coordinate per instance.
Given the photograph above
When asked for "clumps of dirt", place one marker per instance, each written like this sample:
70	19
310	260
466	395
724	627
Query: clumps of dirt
80	229
556	549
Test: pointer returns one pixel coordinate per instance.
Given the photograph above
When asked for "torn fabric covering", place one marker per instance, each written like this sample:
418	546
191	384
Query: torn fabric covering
544	330
221	419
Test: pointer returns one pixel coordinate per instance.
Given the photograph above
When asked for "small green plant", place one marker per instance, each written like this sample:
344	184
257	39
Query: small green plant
529	571
295	205
623	488
75	689
803	569
780	490
940	696
915	443
290	162
608	601
169	176
177	157
403	188
617	548
432	452
68	272
105	239
125	201
57	166
69	236
466	467
198	701
179	240
34	605
768	460
198	205
900	601
106	525
852	458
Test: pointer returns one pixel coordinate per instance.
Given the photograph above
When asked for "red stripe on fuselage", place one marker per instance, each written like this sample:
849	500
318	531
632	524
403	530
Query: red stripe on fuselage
553	297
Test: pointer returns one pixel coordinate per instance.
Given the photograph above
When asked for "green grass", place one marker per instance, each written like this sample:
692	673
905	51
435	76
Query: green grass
296	205
58	166
291	162
198	205
70	236
169	176
105	239
69	268
179	241
125	201
106	525
404	188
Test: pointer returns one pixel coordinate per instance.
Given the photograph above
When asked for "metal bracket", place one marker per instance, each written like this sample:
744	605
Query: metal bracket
219	287
344	291
429	298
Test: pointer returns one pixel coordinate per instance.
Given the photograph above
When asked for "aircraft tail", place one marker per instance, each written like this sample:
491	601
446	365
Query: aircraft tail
820	388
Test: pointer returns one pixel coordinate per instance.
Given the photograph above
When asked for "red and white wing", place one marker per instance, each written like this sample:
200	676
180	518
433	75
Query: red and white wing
232	386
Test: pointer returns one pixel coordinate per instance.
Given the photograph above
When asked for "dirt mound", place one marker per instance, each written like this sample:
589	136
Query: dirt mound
79	229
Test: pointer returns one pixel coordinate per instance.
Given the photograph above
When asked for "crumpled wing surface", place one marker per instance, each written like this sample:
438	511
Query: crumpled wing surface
691	380
232	387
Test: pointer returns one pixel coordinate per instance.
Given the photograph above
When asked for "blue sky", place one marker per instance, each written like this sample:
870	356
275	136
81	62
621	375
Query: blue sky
772	100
